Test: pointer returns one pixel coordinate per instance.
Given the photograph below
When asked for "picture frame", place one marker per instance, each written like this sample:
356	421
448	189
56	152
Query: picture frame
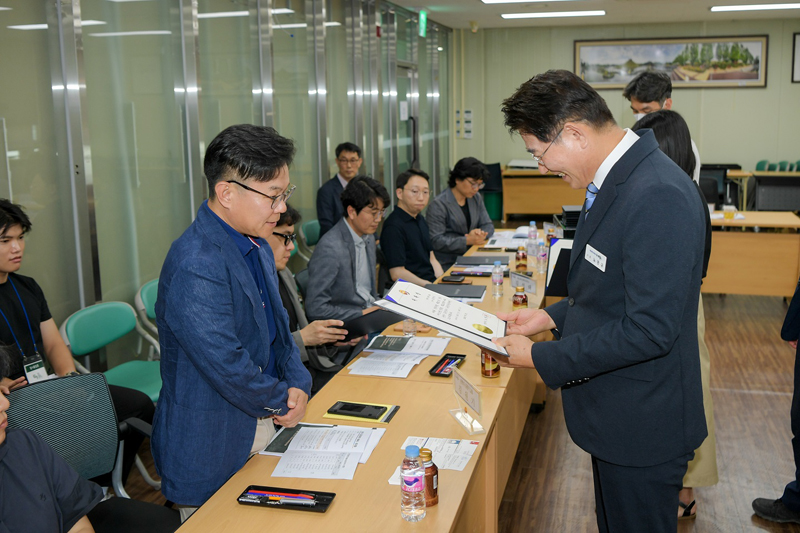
702	62
796	59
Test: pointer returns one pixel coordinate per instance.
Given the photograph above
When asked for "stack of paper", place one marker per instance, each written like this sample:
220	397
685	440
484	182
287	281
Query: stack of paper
322	452
395	357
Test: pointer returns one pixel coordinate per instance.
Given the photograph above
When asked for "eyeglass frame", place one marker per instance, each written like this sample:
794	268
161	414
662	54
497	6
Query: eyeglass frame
287	237
475	185
378	215
348	161
419	192
541	157
276	200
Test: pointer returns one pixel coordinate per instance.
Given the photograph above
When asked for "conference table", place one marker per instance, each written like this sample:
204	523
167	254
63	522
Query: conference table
527	192
765	263
468	499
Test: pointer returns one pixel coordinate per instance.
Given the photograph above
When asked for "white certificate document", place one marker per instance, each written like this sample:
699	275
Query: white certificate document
409	345
386	369
445	314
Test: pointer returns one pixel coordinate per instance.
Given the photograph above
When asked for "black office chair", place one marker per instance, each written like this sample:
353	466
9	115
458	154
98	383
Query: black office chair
75	416
709	188
301	278
495	181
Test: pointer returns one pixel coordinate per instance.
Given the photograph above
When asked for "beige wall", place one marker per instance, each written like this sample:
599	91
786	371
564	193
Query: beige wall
729	125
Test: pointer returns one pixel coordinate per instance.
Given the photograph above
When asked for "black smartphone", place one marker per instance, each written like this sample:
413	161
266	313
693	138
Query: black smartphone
373	412
453	279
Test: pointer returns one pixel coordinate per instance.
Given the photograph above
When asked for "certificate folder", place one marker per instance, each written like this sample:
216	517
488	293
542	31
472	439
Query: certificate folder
445	314
458	291
480	260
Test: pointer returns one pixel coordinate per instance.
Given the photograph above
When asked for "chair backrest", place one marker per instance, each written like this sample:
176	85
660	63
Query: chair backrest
147	296
98	325
783	166
495	181
75	416
772	167
709	188
762	165
310	232
301	278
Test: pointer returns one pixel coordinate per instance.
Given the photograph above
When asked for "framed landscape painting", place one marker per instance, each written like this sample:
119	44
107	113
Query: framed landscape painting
690	62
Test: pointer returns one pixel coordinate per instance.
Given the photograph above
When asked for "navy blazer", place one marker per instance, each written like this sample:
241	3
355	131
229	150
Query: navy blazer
632	329
329	205
215	345
791	324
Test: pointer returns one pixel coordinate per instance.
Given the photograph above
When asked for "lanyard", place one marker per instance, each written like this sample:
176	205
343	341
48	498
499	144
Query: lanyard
25	312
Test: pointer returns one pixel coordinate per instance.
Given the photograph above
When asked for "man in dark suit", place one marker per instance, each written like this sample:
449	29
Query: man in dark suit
787	507
329	203
627	359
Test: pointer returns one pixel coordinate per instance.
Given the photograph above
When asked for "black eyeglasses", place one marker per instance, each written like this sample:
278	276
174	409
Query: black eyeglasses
287	237
276	200
539	159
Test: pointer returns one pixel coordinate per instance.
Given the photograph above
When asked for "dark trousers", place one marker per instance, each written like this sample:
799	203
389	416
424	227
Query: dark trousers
791	494
128	403
631	499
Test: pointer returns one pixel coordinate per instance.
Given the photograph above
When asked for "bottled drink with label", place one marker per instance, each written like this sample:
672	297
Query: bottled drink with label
520	299
431	477
497	279
412	486
541	263
533	236
522	259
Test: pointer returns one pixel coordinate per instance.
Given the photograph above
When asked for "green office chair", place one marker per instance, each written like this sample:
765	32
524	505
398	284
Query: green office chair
98	325
309	237
762	165
145	304
797	166
772	167
783	166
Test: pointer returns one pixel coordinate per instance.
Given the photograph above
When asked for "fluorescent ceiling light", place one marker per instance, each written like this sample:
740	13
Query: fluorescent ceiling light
122	1
129	33
300	25
282	11
222	14
5	8
754	7
523	1
553	14
44	26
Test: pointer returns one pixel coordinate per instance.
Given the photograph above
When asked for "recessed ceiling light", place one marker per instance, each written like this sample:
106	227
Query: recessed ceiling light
553	14
44	26
222	14
130	33
523	1
5	8
754	7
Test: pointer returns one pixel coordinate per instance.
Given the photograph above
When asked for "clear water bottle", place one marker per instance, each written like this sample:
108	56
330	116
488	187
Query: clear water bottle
533	236
541	258
412	486
497	279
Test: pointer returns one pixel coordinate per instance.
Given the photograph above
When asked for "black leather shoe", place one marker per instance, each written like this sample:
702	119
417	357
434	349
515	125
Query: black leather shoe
775	511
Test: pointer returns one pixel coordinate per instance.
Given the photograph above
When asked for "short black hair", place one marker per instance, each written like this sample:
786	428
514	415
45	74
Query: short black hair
11	215
468	167
403	177
246	151
672	134
363	191
543	104
649	86
348	147
290	217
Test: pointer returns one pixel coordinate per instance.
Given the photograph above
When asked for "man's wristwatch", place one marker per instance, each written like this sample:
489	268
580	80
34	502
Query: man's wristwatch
73	373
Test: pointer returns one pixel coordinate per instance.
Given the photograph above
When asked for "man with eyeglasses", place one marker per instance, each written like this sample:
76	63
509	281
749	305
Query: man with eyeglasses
329	204
341	273
627	359
320	342
405	238
229	365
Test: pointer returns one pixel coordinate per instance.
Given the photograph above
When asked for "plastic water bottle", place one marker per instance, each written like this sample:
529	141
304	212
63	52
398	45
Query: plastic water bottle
497	279
412	486
541	258
533	236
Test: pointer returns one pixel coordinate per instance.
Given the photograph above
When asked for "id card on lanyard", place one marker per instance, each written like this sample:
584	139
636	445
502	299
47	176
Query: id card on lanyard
33	365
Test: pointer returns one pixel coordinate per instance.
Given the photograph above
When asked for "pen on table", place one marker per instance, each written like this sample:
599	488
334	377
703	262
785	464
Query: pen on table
441	367
291	501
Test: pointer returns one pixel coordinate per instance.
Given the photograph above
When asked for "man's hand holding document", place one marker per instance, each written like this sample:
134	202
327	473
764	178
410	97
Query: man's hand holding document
445	314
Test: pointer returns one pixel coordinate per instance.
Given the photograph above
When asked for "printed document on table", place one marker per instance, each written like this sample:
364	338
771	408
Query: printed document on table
445	314
389	357
367	367
397	344
331	439
317	465
448	454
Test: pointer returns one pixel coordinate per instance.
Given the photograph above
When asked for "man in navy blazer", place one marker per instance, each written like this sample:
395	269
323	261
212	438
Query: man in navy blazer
229	364
329	203
627	359
786	509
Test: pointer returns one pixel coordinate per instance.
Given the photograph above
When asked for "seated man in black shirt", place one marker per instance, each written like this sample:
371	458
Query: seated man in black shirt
28	328
405	239
319	341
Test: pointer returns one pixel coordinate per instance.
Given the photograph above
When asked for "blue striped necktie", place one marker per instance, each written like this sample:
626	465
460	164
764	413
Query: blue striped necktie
591	193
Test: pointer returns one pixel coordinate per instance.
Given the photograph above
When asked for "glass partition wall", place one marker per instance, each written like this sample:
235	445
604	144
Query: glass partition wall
107	108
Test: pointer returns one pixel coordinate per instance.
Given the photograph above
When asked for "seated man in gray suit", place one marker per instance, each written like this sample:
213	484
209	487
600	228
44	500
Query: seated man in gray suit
342	269
321	348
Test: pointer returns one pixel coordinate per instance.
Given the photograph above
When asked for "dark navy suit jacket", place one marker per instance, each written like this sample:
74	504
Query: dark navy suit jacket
329	205
791	324
632	330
